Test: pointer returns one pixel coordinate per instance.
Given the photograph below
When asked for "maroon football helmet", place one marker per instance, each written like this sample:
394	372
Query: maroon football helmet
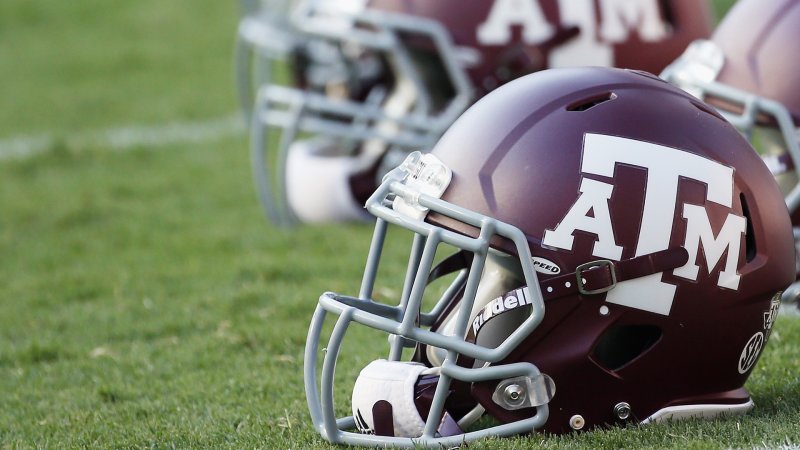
748	70
619	253
372	80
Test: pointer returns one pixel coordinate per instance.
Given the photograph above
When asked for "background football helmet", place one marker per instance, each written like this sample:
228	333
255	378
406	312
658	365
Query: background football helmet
620	252
748	70
371	80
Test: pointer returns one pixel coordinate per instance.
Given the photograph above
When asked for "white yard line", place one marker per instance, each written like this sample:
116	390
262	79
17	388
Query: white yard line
125	137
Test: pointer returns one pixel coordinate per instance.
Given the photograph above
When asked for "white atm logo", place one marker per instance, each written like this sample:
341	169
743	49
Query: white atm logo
593	46
665	167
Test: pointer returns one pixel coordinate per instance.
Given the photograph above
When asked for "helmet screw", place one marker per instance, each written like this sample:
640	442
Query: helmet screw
577	422
622	410
514	393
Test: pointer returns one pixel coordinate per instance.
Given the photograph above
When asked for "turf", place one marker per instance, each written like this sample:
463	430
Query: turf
144	302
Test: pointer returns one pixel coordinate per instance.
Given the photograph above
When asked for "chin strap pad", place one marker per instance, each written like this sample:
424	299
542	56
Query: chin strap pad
384	401
387	388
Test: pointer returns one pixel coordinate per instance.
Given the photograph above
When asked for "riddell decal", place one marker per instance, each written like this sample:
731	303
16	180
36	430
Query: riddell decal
545	266
506	302
756	343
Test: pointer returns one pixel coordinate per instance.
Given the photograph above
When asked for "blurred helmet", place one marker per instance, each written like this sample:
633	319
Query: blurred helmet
748	70
620	252
371	80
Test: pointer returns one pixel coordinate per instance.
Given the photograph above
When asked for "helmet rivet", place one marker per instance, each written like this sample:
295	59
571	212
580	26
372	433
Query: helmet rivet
514	393
622	410
577	422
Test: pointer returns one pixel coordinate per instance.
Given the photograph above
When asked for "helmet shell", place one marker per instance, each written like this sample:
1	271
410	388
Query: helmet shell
527	144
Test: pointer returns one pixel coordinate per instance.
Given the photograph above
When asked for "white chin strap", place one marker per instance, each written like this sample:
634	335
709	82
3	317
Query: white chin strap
392	382
318	185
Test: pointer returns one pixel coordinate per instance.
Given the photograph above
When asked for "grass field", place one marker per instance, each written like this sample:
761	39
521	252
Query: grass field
144	301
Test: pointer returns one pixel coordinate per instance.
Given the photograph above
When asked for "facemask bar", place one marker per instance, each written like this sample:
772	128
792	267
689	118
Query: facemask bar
690	73
296	111
403	322
263	37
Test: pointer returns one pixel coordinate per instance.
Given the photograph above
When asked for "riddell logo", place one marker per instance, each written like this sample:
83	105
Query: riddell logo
507	302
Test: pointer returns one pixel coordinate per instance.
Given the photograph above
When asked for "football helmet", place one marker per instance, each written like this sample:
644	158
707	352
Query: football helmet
619	252
371	80
744	71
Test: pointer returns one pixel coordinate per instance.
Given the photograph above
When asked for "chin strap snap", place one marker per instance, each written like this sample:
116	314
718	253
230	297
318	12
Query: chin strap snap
524	392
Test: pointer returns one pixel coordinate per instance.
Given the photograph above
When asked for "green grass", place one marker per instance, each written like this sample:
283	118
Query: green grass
144	302
72	65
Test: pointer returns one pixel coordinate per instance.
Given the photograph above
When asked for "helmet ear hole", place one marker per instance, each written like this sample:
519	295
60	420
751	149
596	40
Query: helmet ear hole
622	344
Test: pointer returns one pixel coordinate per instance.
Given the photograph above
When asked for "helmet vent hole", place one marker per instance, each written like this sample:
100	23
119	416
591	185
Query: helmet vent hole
749	236
591	102
622	344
